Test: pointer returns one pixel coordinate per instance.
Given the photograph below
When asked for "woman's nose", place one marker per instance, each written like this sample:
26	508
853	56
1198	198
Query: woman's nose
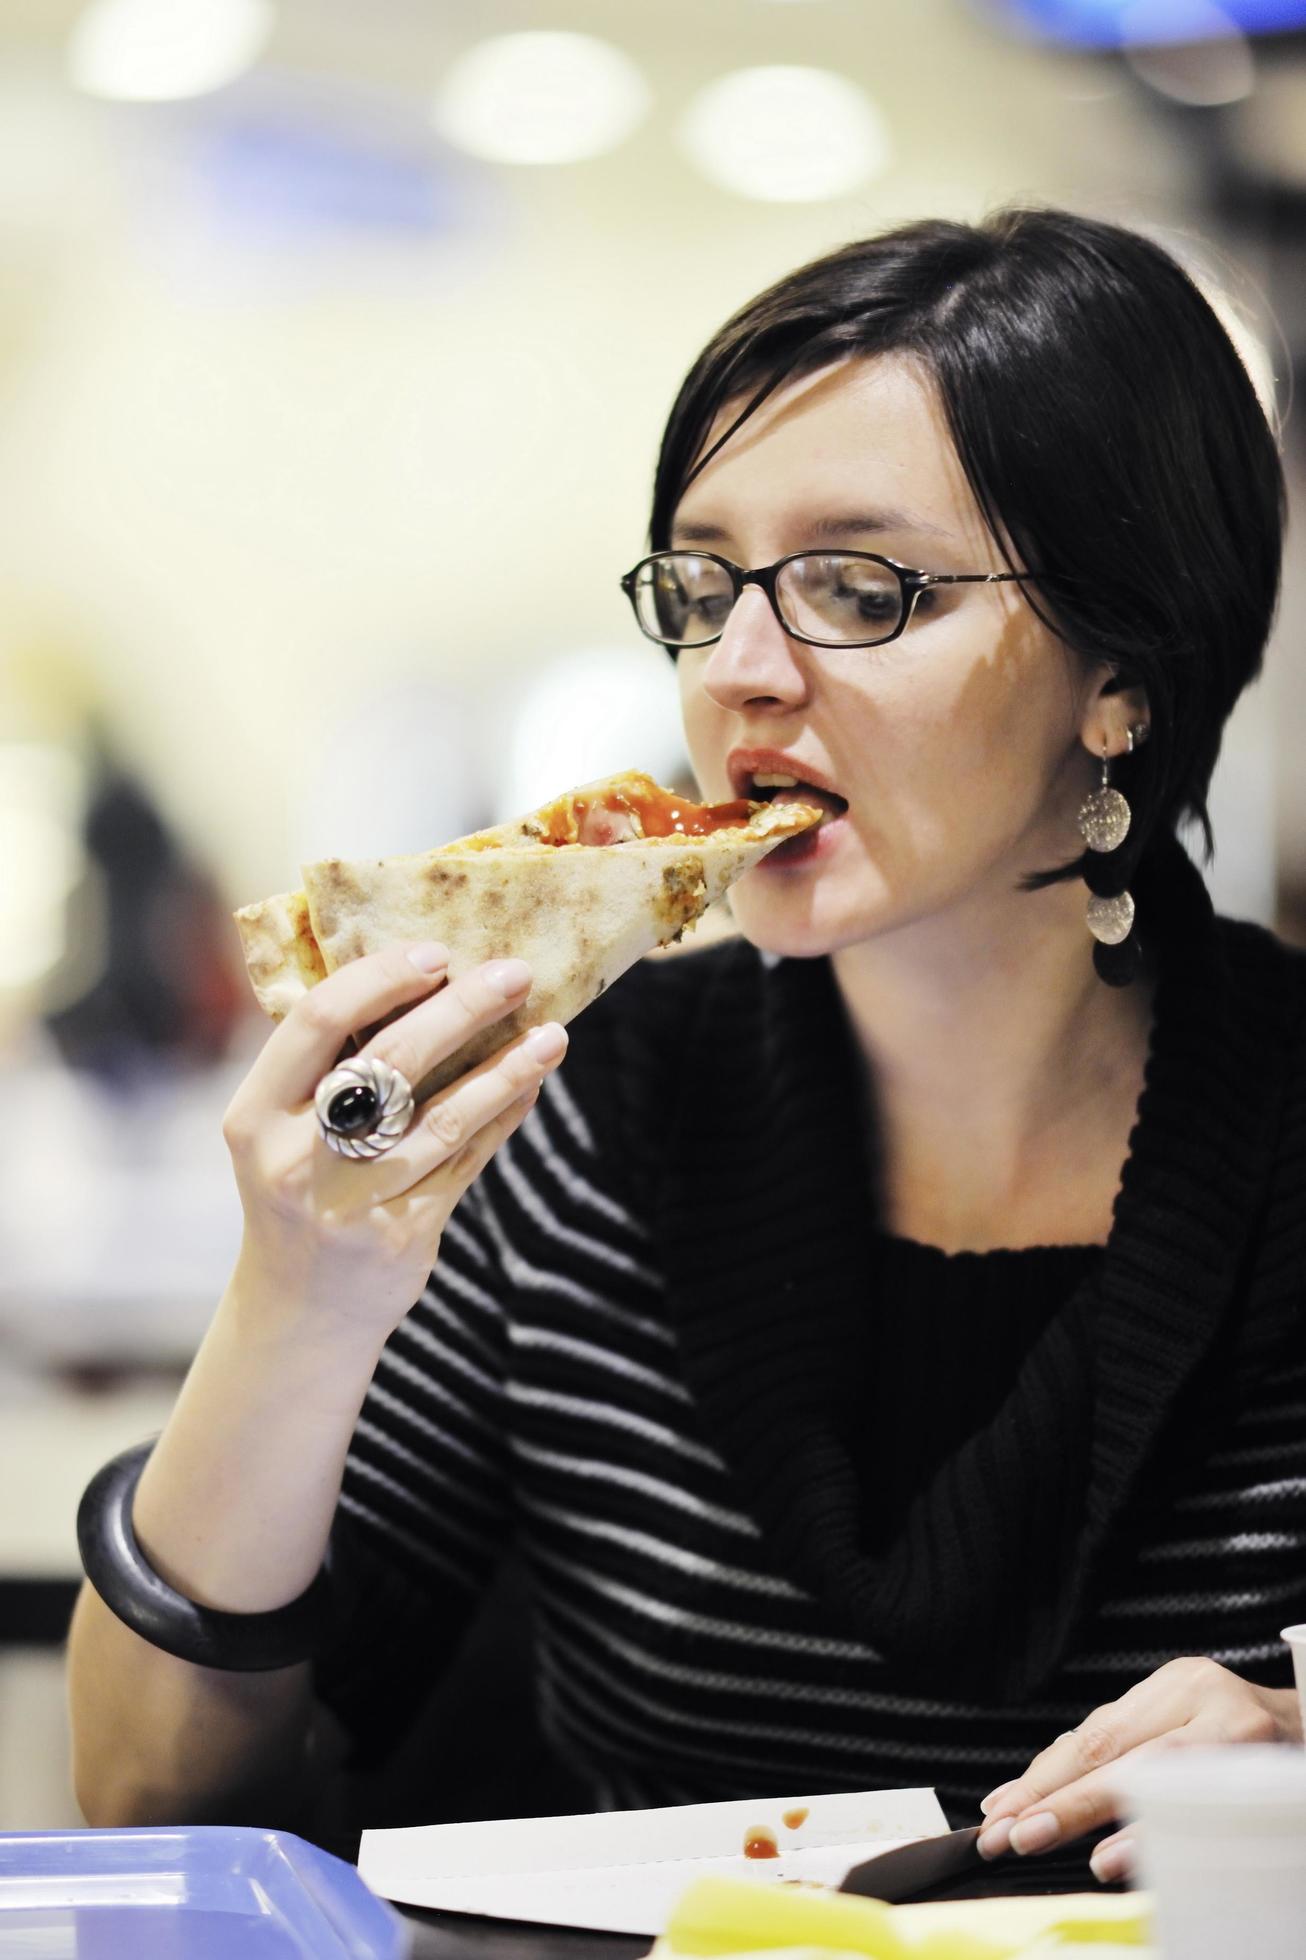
755	659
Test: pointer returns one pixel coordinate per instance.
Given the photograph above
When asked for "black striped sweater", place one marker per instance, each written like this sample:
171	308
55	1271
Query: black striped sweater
633	1358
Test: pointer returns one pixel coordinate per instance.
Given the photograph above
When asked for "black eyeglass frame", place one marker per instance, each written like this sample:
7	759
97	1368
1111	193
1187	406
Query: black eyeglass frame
911	583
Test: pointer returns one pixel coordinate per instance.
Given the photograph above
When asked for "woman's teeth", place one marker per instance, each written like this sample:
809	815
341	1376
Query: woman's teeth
775	787
828	800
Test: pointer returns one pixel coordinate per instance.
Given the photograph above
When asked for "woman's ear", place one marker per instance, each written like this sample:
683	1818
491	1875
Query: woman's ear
1115	709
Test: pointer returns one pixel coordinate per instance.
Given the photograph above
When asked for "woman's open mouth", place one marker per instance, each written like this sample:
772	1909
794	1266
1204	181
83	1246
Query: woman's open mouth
809	845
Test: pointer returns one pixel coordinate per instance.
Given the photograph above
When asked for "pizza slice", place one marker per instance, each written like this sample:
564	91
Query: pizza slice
580	889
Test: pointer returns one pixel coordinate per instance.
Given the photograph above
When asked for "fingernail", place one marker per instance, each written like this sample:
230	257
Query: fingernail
1111	1861
508	977
1003	1807
993	1842
1037	1833
987	1803
428	957
547	1043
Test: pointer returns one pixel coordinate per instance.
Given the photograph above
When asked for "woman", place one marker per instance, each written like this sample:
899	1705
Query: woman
885	1340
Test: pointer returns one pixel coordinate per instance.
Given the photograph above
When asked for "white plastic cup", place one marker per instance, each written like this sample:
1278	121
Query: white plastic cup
1296	1639
1222	1849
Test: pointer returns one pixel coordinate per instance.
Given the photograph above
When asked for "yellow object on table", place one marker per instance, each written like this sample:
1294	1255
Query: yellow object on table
717	1916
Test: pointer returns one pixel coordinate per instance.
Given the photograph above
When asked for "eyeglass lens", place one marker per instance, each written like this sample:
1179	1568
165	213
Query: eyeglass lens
686	599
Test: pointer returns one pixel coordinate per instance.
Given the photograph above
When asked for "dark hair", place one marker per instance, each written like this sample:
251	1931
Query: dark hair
1107	426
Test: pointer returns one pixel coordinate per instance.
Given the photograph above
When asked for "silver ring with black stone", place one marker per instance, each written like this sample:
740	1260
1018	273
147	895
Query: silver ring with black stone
363	1107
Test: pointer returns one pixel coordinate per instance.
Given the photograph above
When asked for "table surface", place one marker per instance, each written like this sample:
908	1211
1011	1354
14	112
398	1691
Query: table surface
454	1936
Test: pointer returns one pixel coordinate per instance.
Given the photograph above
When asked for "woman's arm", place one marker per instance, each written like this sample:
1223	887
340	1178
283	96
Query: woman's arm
235	1505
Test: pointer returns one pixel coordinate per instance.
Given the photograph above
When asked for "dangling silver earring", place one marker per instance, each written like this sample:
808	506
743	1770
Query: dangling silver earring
1104	825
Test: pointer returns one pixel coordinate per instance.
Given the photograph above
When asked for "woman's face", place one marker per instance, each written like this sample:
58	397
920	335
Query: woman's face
958	746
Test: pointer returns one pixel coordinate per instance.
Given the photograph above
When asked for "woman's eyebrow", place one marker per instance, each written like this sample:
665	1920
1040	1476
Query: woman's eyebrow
824	530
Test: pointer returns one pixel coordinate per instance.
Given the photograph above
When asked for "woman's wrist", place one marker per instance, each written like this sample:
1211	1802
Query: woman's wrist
279	1316
234	1507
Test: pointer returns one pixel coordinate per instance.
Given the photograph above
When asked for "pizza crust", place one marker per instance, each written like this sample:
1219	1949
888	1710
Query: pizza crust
282	954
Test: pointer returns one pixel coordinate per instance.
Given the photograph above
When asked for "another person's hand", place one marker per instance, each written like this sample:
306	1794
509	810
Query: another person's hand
344	1243
1070	1788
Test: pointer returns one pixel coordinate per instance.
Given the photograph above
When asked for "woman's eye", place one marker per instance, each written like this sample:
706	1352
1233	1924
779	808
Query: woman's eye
714	608
873	604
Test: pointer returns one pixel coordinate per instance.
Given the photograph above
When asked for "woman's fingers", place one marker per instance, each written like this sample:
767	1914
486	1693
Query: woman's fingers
1161	1701
449	1180
1073	1809
1114	1857
1072	1787
1106	1734
300	1050
415	1038
437	1028
451	1121
427	1017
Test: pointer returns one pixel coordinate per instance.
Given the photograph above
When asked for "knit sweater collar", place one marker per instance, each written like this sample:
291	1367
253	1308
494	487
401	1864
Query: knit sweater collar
1000	1555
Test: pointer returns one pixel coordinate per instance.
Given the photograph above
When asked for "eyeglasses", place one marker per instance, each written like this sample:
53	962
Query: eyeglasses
824	598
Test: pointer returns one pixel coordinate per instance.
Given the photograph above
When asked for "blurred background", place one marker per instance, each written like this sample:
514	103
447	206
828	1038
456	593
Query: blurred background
335	345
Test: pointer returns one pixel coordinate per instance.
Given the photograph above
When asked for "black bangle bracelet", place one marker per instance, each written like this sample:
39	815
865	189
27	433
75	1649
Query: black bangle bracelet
114	1563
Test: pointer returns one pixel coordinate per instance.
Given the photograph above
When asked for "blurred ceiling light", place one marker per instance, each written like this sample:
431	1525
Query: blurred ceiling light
785	135
166	50
1113	23
1214	65
540	98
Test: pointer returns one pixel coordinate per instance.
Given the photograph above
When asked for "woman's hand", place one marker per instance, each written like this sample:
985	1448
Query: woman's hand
1070	1788
350	1242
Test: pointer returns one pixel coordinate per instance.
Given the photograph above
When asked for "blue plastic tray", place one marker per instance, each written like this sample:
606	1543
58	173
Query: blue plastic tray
201	1893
